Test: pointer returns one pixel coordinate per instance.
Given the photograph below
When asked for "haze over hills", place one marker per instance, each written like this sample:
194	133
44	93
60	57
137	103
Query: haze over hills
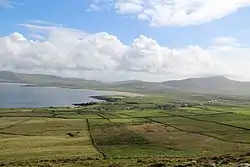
45	80
216	84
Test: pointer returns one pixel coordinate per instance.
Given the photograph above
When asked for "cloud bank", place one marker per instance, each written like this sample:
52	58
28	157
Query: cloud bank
70	52
162	13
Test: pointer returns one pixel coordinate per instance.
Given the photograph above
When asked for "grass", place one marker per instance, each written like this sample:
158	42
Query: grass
122	134
8	121
142	113
21	148
240	123
46	138
214	130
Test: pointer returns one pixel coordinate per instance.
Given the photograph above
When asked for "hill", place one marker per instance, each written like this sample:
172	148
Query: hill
215	84
46	80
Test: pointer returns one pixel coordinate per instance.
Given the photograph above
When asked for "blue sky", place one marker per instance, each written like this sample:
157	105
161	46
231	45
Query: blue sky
73	14
200	24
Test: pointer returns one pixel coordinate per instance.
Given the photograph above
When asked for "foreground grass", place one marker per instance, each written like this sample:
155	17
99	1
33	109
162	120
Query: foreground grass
45	138
132	131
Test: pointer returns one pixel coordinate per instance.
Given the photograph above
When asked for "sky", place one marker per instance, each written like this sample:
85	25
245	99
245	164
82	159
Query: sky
115	40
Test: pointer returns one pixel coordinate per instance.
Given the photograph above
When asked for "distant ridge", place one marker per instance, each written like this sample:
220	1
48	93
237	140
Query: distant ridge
214	84
45	80
206	82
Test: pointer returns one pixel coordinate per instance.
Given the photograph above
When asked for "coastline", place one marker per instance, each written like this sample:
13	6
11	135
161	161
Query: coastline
126	93
104	93
131	94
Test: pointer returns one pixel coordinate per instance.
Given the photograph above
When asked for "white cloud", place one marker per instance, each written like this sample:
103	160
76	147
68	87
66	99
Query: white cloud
225	40
129	6
226	44
44	23
161	13
98	5
228	41
71	52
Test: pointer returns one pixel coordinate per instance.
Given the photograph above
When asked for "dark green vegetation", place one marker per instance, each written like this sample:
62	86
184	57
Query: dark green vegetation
211	85
153	130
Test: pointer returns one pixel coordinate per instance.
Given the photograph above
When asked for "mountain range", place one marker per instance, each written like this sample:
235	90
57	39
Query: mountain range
215	84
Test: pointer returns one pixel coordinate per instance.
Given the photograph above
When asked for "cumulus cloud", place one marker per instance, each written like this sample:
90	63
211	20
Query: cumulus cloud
161	13
147	55
70	52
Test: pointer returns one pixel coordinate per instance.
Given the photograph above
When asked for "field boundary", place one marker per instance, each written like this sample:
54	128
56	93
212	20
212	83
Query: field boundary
198	133
16	134
18	123
103	117
248	116
115	115
219	123
93	141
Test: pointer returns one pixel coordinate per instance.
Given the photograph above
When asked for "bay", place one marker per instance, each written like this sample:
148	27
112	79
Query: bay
17	96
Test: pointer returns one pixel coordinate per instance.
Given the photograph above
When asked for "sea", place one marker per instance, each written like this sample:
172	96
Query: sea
19	96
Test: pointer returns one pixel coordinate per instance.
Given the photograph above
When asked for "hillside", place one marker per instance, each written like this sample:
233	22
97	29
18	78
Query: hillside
209	84
46	80
6	76
216	84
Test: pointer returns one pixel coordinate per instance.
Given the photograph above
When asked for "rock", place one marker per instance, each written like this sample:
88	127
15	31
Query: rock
158	165
2	164
139	161
73	134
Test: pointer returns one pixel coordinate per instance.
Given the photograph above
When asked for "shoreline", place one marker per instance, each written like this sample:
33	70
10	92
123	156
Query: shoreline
68	87
126	93
104	94
96	98
131	94
123	92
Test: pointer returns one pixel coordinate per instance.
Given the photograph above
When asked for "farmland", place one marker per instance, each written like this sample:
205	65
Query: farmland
128	131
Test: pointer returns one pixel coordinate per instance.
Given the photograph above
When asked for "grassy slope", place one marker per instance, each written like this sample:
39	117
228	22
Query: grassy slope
111	133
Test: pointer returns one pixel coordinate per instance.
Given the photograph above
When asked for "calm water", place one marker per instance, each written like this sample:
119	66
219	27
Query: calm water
13	96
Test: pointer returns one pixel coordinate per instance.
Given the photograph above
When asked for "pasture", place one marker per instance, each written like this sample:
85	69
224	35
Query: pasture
132	131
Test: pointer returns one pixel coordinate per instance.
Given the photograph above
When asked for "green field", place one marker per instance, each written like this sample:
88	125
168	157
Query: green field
133	131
